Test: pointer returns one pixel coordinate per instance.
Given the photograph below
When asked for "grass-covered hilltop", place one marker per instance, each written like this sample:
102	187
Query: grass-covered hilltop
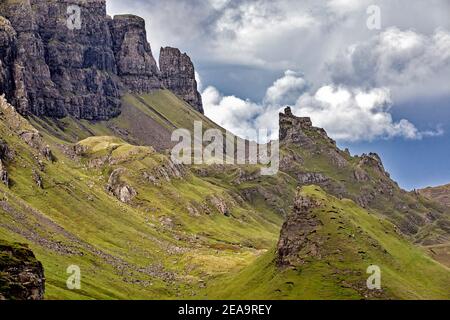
88	187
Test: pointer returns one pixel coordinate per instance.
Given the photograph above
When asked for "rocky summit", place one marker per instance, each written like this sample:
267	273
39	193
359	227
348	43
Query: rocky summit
51	68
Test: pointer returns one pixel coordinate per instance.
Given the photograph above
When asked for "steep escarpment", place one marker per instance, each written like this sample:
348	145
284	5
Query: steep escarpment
60	70
21	275
135	63
61	58
178	75
7	55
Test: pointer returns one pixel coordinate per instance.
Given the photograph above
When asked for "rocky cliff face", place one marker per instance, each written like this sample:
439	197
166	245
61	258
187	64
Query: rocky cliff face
300	131
21	275
51	67
295	242
7	55
178	75
61	70
135	63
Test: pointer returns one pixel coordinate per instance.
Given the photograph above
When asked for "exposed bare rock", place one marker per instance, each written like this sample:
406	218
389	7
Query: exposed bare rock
135	63
5	152
47	153
164	172
59	71
220	204
337	158
4	178
360	174
290	161
295	243
178	75
300	131
119	188
38	179
373	160
245	176
312	178
21	275
34	91
8	52
32	138
49	68
439	194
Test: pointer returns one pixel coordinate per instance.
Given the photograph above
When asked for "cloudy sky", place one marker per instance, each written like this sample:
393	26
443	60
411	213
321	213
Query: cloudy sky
374	84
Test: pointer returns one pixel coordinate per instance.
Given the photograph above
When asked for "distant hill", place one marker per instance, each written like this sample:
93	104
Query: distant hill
439	194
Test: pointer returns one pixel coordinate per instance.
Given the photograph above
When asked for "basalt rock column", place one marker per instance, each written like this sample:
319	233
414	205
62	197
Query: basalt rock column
178	75
136	66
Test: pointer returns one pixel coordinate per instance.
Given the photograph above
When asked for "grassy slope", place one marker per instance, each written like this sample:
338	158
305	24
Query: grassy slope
124	251
155	247
363	239
407	210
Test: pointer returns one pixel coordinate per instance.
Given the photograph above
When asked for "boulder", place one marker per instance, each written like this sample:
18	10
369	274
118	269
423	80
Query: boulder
118	188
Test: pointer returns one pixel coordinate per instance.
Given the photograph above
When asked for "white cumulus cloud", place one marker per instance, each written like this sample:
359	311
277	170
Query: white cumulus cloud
347	113
354	115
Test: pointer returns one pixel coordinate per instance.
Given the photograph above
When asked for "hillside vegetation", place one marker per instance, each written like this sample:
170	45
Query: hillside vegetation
106	197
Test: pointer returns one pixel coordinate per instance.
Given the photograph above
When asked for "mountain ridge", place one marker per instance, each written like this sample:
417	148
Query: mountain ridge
51	68
86	179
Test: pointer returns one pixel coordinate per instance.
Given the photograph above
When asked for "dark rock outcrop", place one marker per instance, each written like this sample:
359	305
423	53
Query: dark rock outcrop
373	161
178	75
4	178
5	154
135	63
7	55
21	275
49	68
38	179
62	71
299	131
295	244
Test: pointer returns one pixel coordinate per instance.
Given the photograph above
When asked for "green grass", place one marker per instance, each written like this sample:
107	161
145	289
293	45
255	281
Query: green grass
405	268
124	251
157	247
